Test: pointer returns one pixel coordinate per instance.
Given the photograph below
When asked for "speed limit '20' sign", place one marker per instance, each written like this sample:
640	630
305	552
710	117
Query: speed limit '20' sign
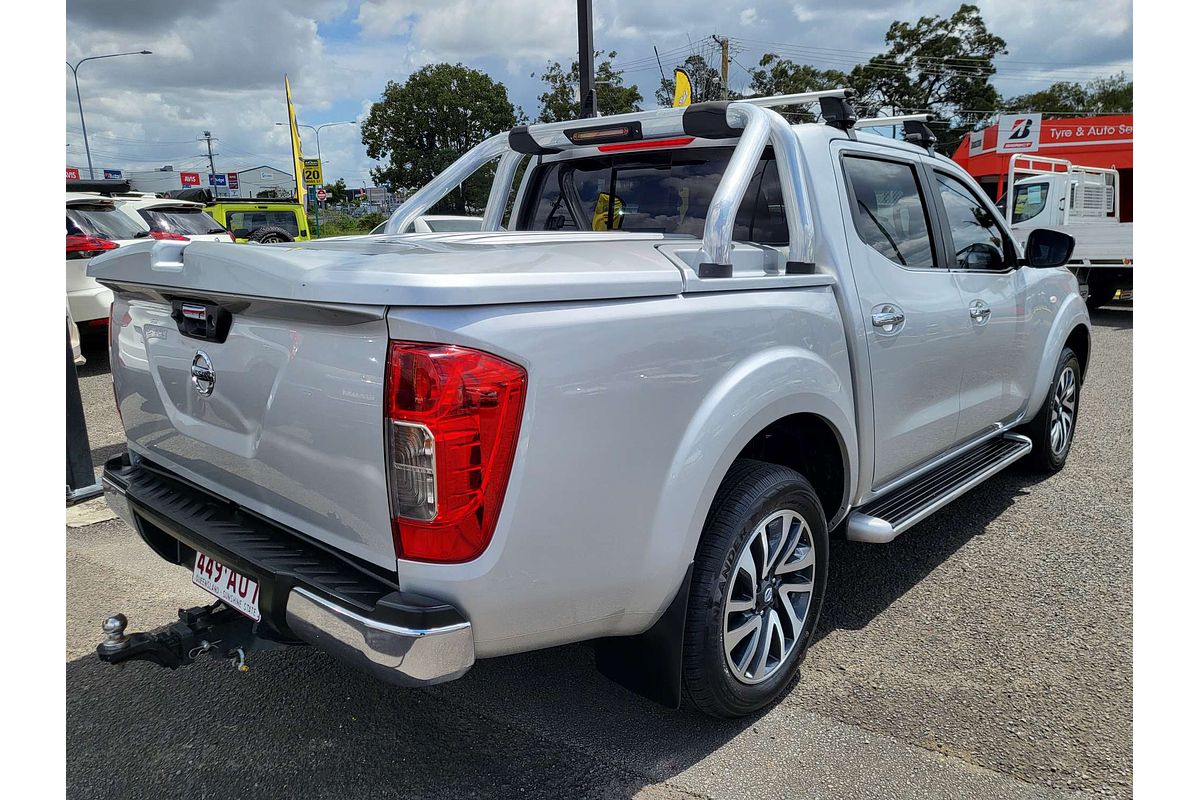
312	172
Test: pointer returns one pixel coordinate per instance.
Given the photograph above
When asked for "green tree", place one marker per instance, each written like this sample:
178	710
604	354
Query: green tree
560	101
939	64
776	75
1111	95
706	82
336	190
422	126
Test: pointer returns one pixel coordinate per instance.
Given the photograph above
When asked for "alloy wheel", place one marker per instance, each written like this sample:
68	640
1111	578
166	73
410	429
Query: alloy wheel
1062	412
769	597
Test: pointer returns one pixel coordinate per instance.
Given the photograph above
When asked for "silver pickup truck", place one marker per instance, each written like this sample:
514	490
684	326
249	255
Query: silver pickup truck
704	341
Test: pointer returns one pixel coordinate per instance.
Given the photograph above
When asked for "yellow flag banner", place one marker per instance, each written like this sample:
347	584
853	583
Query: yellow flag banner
297	156
683	90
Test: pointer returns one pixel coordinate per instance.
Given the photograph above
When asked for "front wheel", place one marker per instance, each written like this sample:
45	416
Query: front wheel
757	588
1053	429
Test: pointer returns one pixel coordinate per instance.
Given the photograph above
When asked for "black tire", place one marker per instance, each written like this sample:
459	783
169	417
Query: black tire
1048	454
750	494
269	234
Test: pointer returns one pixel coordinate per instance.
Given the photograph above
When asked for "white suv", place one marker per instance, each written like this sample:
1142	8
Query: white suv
167	218
94	226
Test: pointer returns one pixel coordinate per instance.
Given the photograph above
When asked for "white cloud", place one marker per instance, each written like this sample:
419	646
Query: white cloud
748	17
802	14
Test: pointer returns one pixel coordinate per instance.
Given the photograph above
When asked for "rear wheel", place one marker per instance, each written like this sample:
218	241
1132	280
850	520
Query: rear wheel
1053	429
757	588
269	234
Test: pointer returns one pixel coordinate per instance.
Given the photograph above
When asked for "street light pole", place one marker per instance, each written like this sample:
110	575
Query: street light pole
317	132
79	99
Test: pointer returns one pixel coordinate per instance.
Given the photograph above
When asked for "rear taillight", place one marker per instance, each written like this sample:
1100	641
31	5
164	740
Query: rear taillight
452	419
167	236
87	246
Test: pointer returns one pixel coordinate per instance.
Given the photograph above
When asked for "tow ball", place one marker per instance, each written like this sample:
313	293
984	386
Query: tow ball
214	629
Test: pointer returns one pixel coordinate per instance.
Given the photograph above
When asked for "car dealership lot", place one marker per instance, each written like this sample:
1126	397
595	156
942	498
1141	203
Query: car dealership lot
985	653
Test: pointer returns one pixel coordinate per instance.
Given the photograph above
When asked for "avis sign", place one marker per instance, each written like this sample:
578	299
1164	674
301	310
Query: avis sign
189	179
1019	133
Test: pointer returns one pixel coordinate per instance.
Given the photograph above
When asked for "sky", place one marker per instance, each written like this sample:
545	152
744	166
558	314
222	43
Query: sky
219	65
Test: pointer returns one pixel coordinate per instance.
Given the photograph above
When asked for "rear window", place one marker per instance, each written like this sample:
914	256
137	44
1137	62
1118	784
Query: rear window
101	220
243	223
186	221
658	192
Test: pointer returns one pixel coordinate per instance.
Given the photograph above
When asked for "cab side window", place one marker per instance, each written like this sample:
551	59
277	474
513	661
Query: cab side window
889	212
978	241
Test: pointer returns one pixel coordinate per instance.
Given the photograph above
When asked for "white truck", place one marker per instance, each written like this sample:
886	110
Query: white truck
1084	202
704	340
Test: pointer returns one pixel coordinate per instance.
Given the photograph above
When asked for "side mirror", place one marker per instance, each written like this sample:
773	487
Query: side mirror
1047	248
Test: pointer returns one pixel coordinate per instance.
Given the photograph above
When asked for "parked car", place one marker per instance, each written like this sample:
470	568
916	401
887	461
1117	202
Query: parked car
437	223
710	339
94	225
262	221
171	219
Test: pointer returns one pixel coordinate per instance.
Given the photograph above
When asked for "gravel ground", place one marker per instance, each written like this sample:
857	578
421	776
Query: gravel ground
985	653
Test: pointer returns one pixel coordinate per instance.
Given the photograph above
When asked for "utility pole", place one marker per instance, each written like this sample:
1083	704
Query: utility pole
212	167
724	42
587	58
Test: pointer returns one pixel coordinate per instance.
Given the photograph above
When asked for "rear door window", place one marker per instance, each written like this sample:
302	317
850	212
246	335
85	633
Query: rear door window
662	192
888	210
186	221
101	220
243	223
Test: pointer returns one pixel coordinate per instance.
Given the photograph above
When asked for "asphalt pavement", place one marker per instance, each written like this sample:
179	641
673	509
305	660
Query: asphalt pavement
985	653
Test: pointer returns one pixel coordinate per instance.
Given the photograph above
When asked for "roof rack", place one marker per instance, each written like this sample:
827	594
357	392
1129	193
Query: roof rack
880	122
99	186
750	121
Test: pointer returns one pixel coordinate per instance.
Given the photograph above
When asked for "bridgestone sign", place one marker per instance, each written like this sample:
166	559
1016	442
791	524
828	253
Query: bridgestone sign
1019	133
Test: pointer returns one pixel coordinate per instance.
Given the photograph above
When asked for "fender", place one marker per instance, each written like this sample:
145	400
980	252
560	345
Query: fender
757	391
1072	314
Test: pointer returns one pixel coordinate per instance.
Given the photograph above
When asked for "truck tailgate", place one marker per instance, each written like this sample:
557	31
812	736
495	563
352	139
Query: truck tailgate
291	424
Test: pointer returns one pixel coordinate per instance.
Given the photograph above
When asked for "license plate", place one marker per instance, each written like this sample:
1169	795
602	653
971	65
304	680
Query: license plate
237	591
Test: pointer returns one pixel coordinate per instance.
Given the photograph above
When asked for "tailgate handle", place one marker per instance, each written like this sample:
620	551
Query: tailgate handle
199	320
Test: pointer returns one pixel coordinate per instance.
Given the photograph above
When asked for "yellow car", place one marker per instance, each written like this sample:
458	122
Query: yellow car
261	220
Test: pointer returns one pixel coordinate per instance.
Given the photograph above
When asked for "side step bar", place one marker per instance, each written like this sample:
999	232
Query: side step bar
884	519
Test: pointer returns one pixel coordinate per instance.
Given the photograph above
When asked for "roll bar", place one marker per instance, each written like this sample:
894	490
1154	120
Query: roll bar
751	121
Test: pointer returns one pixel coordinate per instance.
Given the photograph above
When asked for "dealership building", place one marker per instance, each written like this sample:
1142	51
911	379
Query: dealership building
243	183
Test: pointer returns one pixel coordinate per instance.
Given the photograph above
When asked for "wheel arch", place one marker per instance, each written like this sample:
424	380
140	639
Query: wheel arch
783	392
1080	341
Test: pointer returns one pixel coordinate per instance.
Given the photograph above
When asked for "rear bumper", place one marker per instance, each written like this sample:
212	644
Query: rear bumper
89	303
308	593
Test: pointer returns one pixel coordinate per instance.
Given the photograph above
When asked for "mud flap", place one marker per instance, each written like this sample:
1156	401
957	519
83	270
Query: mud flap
651	663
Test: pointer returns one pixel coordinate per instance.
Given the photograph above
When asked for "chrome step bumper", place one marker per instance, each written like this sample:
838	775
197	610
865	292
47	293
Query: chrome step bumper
309	593
884	519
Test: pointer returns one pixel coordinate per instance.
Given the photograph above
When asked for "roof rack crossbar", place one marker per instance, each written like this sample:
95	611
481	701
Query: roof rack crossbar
775	101
879	122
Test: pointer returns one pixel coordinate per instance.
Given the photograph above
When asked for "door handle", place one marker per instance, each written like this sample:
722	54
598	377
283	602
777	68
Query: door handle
980	311
888	317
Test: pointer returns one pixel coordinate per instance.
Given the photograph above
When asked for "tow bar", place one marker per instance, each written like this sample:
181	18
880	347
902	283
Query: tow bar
215	629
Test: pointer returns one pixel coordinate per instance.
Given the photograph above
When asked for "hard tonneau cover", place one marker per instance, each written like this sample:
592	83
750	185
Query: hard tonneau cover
420	269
